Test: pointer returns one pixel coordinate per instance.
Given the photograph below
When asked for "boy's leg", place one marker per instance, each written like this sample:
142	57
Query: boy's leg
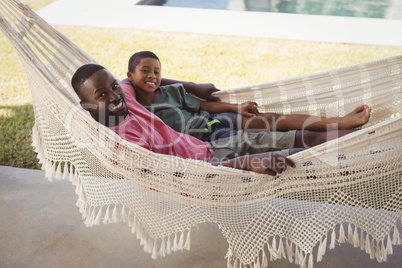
307	138
278	122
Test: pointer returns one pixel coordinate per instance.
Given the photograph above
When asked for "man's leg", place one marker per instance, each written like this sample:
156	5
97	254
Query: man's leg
307	138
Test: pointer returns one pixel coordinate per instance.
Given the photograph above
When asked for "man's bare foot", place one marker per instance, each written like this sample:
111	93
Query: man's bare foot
358	117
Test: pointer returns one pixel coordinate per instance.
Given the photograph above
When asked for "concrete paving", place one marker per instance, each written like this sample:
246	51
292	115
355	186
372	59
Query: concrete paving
40	226
125	14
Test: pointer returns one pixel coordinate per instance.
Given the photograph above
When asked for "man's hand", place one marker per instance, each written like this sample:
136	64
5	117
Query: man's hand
203	91
269	163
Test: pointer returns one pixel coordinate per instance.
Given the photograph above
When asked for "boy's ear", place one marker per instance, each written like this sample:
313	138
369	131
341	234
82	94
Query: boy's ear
129	74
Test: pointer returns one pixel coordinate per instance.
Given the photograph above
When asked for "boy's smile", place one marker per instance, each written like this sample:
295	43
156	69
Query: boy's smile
104	99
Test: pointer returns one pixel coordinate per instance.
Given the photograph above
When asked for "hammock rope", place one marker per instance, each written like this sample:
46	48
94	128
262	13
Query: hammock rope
348	190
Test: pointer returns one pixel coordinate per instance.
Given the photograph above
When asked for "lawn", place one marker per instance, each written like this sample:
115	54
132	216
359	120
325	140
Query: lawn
226	61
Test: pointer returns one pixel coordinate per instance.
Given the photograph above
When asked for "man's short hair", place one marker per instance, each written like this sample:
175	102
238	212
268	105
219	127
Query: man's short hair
82	74
137	57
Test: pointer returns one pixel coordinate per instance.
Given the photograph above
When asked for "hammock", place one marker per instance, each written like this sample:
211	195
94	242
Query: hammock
346	190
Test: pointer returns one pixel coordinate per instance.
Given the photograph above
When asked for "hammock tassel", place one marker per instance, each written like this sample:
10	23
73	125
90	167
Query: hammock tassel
114	218
89	220
58	175
396	237
134	226
350	235
389	246
188	240
130	218
342	238
297	256
361	240
272	250
66	174
321	249
168	246
181	242
378	253
356	240
264	260
155	251
229	259
174	247
49	170
333	240
367	244
281	250
78	189
123	214
97	220
372	250
303	258
257	263
52	171
106	218
162	250
72	175
289	250
310	261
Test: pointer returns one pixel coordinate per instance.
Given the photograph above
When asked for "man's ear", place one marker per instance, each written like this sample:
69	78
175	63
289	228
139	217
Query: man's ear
85	106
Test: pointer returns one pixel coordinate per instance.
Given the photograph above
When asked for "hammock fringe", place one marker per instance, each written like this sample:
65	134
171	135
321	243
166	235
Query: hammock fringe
378	249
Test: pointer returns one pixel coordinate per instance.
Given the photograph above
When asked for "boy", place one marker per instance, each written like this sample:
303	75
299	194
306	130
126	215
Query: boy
213	120
104	98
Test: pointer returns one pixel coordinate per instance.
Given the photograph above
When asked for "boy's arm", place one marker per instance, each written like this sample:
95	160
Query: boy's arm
203	91
266	163
248	108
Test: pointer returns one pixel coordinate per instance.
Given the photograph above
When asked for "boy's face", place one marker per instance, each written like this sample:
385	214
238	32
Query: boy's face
102	96
147	75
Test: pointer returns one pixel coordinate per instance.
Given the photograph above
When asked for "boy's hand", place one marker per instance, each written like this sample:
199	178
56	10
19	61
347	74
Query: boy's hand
248	109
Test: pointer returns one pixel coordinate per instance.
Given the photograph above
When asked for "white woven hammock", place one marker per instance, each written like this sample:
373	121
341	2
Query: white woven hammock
346	190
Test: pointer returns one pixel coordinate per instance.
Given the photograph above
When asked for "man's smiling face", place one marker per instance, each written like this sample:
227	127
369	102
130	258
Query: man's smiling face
102	96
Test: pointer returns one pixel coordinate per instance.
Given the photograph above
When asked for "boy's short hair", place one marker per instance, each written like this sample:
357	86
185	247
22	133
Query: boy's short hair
82	74
136	58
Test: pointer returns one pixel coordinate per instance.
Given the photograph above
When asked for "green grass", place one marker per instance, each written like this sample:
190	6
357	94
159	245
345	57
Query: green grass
226	61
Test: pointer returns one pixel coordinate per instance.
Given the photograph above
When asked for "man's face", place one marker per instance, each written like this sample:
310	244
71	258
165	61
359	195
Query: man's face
147	75
102	96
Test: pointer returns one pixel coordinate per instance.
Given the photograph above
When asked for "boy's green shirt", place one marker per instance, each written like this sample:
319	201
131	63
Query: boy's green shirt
179	110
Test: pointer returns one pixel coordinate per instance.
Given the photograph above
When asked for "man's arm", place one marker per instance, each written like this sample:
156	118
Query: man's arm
203	91
266	163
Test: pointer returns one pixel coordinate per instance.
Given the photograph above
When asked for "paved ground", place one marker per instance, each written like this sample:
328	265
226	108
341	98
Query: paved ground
40	226
125	14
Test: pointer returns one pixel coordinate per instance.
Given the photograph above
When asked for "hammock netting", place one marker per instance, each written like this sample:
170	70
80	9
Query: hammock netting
345	190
